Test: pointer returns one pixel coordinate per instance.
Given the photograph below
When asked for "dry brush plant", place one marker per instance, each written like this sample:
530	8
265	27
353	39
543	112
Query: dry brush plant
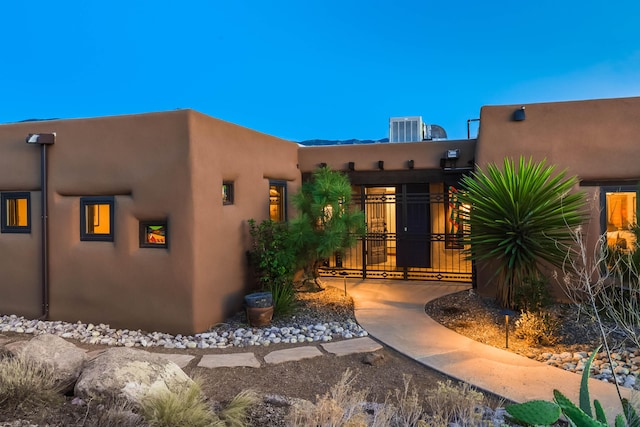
447	404
25	384
187	407
589	282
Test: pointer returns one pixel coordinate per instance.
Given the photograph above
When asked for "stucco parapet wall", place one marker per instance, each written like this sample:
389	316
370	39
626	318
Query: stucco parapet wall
425	155
594	139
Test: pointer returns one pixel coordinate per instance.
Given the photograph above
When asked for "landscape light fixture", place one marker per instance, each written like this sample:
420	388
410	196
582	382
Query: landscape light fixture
506	314
519	115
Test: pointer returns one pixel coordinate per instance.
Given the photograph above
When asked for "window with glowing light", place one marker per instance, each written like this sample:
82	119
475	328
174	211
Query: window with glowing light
16	212
96	219
153	234
277	201
620	216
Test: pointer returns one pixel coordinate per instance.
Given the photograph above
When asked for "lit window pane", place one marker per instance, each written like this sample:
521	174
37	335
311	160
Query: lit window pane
621	216
98	218
15	213
156	234
276	202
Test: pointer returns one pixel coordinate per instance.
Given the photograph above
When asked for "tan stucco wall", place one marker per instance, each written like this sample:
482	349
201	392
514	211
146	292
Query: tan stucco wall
426	155
596	140
225	152
142	160
157	166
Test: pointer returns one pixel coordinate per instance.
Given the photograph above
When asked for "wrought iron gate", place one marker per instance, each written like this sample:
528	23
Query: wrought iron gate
413	233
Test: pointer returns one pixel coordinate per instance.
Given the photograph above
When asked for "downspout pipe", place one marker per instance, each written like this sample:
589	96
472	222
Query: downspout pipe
44	139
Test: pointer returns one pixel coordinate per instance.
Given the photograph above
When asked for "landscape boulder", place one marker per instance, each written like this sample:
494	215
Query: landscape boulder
63	359
126	374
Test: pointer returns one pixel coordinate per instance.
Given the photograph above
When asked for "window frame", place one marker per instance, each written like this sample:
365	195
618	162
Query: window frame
230	193
14	195
144	243
96	200
603	201
282	184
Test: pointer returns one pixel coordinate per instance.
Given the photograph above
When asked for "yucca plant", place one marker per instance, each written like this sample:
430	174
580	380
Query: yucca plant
517	218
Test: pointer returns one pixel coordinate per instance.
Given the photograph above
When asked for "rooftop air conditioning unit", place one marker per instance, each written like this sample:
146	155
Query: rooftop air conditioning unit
406	129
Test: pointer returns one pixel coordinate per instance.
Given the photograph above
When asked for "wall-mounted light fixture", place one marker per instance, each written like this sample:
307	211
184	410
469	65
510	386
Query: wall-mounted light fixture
519	115
351	166
41	138
322	165
453	154
410	164
381	165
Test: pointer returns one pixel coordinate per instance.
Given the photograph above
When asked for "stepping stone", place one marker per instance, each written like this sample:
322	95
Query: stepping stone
231	360
292	354
355	345
182	360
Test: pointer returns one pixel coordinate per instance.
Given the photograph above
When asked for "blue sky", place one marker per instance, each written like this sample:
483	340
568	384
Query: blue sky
312	69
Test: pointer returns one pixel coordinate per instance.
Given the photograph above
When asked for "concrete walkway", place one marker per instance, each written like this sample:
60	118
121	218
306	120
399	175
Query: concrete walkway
393	313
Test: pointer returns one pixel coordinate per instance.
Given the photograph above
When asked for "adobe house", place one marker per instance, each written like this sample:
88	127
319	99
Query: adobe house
146	217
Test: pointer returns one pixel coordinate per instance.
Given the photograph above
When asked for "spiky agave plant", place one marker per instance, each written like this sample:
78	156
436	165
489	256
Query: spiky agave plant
518	216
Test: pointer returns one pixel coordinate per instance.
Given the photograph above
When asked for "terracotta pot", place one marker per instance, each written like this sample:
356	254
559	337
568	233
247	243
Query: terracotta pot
257	316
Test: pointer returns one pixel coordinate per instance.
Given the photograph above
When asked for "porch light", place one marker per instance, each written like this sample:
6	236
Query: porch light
351	166
410	164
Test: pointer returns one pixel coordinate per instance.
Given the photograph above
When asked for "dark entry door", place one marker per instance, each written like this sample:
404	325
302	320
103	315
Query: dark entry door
413	226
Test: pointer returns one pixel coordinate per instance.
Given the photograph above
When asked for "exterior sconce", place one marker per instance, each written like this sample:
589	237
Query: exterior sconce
381	165
519	115
410	164
41	138
452	154
351	166
322	165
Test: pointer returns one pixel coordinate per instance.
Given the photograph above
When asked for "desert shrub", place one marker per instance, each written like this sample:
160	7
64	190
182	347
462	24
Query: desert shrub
537	328
25	384
187	407
520	217
183	407
409	412
341	406
532	294
236	413
453	403
273	260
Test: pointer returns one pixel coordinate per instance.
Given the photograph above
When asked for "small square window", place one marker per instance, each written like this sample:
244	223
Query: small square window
153	234
16	212
96	219
227	193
